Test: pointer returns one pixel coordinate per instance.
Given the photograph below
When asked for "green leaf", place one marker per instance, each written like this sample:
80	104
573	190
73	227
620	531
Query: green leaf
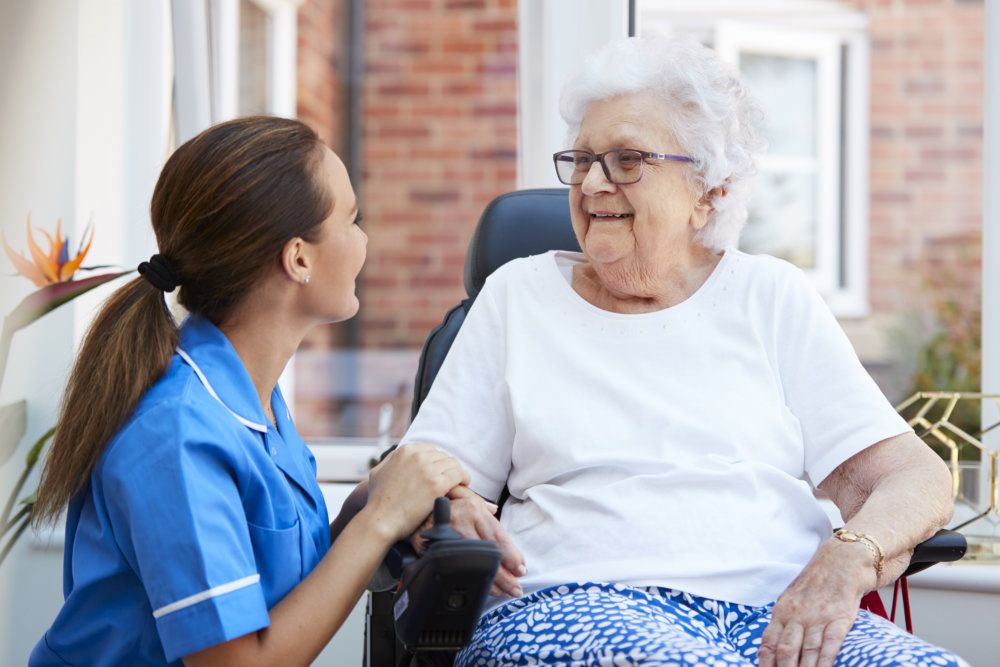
43	301
17	518
36	449
13	422
12	540
30	461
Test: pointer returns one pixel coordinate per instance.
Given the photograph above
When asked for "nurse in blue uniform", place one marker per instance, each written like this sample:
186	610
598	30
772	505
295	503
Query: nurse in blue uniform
196	532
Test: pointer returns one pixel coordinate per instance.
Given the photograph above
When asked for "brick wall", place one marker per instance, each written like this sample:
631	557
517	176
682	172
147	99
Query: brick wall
321	73
925	215
926	143
440	139
321	69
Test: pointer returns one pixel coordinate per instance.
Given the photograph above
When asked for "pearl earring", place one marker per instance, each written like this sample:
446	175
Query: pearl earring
306	280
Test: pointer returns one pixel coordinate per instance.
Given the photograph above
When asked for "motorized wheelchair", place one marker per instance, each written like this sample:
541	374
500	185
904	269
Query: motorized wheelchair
517	224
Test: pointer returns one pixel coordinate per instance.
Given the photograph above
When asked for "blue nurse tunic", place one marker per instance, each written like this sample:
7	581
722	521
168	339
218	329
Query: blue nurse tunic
199	517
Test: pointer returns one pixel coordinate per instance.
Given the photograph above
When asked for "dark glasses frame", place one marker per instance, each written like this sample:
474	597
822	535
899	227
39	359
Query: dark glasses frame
569	156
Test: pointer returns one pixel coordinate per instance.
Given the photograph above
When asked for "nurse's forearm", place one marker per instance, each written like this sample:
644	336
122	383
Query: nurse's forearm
308	617
354	504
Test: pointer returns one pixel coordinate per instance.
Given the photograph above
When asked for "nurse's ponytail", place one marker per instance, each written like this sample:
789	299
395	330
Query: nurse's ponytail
225	205
126	348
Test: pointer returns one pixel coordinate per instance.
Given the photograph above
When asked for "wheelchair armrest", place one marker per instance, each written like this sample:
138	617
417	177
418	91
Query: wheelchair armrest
944	546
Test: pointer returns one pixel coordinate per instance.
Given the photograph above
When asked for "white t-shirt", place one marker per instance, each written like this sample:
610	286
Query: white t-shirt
677	448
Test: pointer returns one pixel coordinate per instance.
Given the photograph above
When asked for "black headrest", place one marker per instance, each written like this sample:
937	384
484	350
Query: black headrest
518	224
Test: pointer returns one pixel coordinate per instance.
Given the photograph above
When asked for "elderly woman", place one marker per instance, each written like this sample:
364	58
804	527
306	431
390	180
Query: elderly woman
664	410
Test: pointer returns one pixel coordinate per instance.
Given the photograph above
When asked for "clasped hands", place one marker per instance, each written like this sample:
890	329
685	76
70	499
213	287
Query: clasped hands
475	518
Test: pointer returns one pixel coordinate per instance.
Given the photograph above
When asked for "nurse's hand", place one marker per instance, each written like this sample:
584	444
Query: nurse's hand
402	488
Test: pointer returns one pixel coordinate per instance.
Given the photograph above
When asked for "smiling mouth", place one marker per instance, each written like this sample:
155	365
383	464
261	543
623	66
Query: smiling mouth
610	216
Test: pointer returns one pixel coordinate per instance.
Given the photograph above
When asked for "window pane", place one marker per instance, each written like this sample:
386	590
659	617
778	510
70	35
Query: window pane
254	56
782	218
786	90
435	142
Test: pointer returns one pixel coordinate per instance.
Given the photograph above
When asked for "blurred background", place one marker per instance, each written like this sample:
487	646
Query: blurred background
872	183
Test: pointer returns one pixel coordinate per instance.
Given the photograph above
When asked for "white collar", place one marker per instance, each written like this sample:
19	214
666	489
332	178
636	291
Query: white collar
208	386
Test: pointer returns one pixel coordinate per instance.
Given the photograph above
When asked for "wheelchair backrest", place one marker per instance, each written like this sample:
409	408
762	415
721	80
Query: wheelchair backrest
516	224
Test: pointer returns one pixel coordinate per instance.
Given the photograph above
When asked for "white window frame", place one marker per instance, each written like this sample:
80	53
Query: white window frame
206	44
282	36
553	38
841	272
991	218
733	39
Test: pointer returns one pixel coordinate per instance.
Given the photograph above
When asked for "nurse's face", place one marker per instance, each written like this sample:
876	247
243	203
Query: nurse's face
340	250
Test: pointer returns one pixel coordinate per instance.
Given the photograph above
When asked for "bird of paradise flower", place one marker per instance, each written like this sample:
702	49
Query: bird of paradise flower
54	266
53	273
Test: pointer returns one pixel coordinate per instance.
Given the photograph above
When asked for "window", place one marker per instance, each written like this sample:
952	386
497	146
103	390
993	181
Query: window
807	65
254	54
252	45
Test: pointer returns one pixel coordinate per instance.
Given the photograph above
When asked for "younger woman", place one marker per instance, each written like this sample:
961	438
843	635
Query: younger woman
196	530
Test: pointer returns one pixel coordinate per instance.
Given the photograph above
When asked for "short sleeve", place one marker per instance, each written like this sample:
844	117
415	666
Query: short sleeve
837	403
177	516
467	412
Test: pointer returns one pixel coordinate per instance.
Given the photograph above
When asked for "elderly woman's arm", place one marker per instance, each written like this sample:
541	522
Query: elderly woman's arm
899	492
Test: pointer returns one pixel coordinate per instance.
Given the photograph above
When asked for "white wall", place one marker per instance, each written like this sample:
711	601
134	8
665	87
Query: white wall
38	49
85	94
84	89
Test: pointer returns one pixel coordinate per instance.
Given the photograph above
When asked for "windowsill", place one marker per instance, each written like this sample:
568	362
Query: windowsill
345	459
973	577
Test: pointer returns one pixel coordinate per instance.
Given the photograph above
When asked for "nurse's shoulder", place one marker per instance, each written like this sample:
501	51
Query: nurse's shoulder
176	423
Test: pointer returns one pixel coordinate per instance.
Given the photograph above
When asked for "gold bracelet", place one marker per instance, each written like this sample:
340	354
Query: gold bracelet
845	535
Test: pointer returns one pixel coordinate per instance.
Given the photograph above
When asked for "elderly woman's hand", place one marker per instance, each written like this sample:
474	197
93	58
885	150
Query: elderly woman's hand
812	617
897	489
473	517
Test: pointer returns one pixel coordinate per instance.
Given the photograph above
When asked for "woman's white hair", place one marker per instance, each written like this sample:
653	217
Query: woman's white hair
708	109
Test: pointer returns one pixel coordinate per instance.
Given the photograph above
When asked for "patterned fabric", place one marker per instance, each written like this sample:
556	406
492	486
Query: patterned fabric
591	625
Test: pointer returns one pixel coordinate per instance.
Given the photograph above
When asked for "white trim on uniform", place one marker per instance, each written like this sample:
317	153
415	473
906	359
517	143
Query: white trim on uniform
213	592
204	380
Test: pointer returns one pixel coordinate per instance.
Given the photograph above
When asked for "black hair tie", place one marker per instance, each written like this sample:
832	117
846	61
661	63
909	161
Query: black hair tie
160	272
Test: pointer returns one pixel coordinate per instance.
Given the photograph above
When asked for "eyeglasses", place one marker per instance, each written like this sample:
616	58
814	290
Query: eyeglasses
621	165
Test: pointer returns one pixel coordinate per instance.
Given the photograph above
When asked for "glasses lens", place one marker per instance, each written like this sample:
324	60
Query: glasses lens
572	166
625	165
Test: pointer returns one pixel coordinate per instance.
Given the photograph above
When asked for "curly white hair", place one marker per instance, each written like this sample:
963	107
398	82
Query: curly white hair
708	109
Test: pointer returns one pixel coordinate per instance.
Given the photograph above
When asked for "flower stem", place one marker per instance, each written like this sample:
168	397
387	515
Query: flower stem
13	538
21	513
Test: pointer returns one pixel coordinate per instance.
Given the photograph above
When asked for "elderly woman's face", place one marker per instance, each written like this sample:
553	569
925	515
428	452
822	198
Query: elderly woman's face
641	227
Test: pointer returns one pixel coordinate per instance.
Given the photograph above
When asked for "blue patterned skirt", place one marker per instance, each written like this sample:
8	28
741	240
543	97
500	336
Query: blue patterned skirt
590	625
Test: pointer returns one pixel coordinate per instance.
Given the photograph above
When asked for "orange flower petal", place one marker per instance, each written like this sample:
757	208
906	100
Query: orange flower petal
55	247
89	229
49	269
67	270
22	265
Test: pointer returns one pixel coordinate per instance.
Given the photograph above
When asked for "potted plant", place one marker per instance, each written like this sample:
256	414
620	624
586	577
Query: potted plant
53	271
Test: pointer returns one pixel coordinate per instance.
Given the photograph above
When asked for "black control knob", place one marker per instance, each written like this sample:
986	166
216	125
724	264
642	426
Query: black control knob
441	530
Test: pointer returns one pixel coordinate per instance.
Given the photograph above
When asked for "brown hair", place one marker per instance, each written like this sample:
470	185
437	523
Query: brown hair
225	205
